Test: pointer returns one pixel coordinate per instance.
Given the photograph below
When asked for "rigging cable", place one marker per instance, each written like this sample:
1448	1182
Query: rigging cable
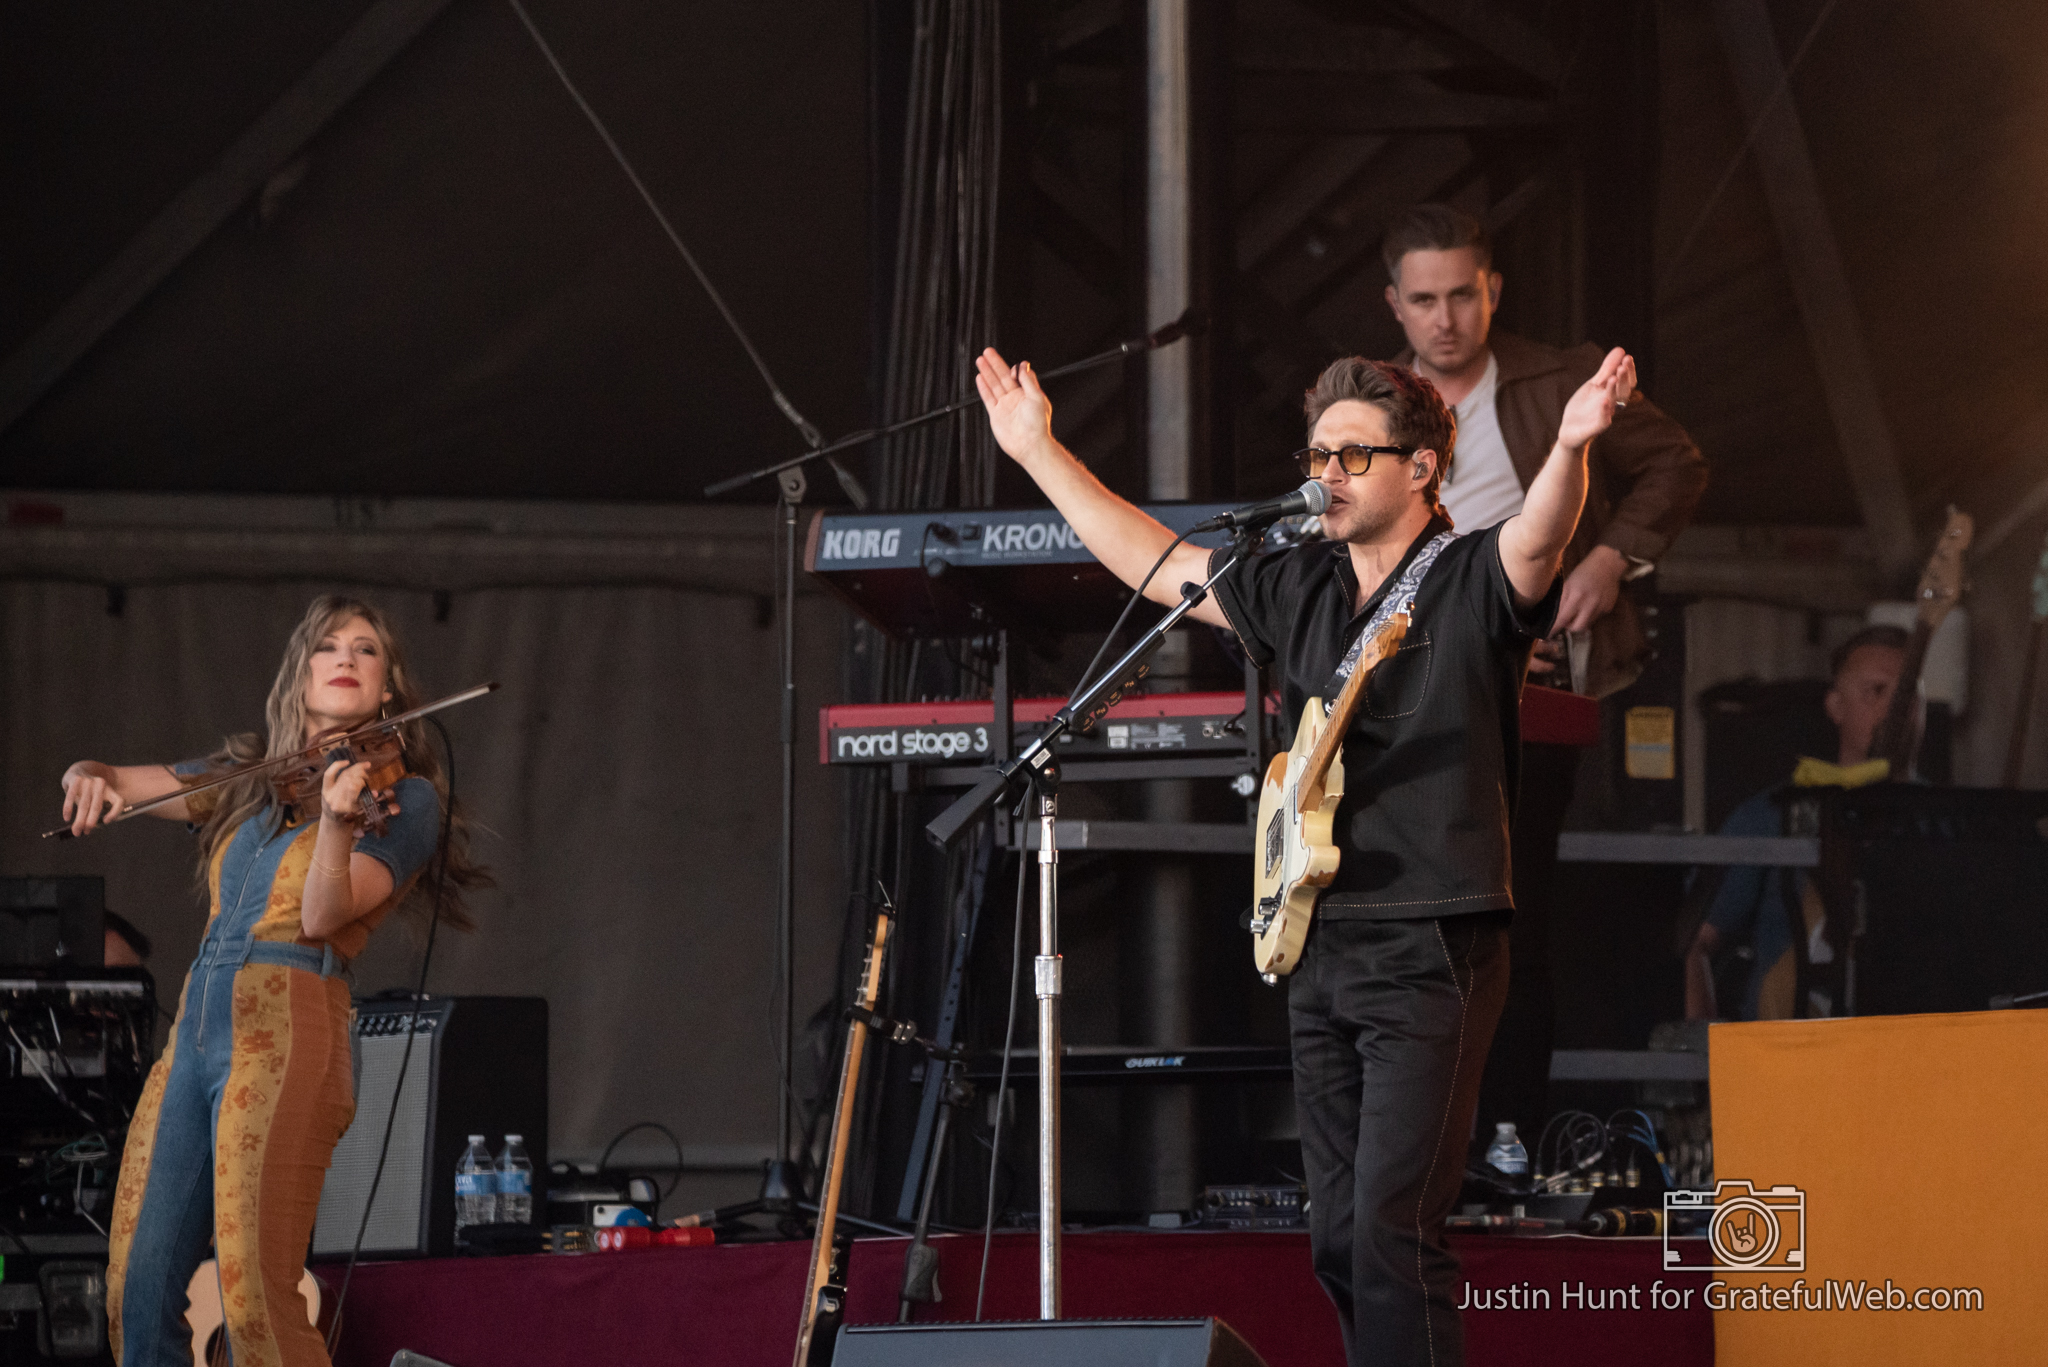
1756	127
813	438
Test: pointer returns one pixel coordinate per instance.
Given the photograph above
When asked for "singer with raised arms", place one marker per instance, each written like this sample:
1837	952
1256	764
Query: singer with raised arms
1405	968
230	1143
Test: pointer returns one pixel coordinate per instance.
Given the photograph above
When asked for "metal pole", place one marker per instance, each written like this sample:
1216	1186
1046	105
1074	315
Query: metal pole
1168	251
1160	952
1047	972
792	484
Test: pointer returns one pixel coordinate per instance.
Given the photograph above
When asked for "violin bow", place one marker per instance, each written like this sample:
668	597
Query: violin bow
280	761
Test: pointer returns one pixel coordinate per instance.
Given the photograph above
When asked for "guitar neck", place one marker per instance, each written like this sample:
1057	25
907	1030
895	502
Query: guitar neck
1894	738
1331	742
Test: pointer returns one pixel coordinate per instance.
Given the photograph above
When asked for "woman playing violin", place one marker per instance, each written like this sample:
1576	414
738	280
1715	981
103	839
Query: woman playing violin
240	1116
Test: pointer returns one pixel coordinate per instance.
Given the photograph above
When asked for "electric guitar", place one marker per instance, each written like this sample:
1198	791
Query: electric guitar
1939	590
1296	854
825	1294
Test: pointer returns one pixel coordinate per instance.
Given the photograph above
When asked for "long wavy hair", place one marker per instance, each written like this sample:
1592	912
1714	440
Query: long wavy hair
284	718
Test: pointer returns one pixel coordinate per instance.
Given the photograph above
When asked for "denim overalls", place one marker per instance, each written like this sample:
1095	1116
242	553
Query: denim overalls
230	1145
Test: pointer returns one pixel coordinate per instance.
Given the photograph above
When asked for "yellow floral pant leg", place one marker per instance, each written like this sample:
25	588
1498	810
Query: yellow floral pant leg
289	1097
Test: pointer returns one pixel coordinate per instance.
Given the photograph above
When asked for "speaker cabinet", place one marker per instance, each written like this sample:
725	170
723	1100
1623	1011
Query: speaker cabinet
1943	897
479	1065
1044	1343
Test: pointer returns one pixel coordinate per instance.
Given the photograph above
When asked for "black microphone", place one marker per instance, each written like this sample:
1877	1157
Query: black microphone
1187	325
1311	497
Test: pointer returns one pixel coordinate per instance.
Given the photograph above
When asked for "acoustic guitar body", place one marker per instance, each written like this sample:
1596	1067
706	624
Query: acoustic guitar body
203	1314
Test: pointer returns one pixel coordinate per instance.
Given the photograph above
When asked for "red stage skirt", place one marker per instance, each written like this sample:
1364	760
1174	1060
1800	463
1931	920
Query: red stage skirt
737	1306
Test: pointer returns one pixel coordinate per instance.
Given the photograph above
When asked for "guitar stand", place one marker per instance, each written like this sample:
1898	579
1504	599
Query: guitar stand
733	1214
781	1196
921	1260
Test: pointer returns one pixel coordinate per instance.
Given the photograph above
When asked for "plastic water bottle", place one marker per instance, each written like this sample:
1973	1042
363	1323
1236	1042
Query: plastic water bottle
476	1186
1506	1154
515	1182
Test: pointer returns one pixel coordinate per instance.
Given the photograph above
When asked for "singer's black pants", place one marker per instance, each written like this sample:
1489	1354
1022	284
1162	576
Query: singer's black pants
1390	1023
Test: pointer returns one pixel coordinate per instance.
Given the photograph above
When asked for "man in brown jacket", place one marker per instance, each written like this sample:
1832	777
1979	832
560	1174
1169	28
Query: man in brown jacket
1508	394
1646	477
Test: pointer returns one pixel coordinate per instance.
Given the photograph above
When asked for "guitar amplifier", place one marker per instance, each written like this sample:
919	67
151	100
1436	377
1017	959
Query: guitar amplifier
1944	893
57	922
479	1065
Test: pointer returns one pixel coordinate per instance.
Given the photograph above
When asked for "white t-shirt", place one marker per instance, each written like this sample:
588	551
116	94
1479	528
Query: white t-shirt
1483	487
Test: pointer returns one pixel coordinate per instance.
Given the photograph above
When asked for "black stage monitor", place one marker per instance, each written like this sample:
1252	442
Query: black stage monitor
1045	1343
53	922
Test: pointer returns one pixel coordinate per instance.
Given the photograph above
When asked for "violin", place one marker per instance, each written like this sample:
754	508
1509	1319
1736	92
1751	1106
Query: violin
298	788
296	777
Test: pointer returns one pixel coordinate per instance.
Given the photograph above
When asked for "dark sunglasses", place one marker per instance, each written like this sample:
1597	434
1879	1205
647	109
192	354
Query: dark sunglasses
1356	460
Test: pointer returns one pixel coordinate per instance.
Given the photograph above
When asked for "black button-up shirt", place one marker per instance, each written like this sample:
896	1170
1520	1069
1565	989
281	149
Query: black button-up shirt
1432	760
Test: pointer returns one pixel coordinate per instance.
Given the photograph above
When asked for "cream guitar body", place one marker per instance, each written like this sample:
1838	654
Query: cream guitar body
1295	850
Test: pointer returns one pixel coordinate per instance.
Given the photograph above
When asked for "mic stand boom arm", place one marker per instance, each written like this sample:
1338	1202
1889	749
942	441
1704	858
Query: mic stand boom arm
1136	346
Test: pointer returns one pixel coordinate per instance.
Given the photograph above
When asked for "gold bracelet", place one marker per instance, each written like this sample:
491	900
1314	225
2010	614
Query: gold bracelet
341	872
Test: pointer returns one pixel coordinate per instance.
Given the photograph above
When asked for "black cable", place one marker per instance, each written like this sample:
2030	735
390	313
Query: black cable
995	1151
1017	949
1088	674
674	1142
811	435
412	1017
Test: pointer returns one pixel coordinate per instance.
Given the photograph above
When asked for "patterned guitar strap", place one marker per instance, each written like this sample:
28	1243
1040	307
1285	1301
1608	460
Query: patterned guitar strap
1400	598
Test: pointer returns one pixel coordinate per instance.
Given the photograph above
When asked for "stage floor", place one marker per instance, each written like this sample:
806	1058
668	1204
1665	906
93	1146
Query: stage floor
737	1306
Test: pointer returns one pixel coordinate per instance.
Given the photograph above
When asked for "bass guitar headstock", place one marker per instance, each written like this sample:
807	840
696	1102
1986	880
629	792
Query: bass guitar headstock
1942	581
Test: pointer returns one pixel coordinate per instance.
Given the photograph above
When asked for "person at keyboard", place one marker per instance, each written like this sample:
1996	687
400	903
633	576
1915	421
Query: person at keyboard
1763	910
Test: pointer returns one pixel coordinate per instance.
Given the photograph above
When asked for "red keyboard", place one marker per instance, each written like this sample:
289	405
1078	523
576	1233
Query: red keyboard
1162	724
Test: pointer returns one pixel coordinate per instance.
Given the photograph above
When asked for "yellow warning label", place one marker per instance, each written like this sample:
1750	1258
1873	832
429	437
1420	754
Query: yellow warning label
1652	750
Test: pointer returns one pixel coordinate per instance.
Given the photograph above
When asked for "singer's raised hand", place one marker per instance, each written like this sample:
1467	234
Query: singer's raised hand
1532	542
1019	414
1590	411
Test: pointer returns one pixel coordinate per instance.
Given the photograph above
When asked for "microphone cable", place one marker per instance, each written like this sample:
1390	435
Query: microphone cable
1137	597
995	1148
412	1017
995	1152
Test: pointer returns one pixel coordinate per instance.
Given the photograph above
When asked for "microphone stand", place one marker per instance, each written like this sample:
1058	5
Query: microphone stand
782	1178
1183	326
781	1188
1039	769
